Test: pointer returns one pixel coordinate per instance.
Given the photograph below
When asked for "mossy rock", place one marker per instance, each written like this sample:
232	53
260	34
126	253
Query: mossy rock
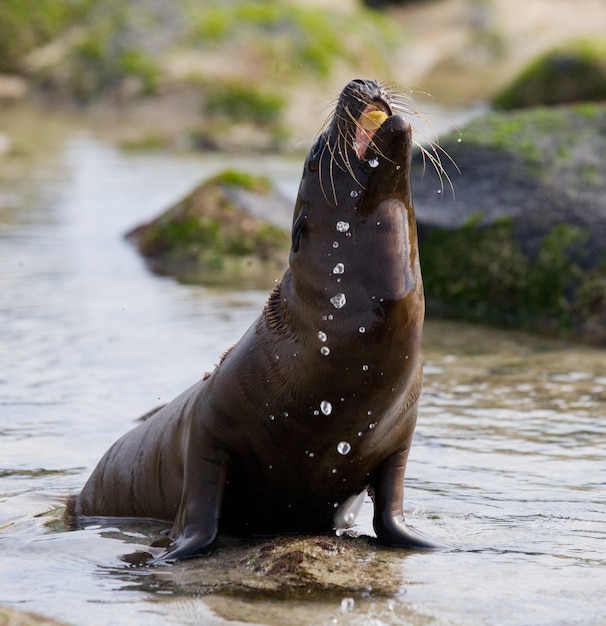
575	72
213	237
522	240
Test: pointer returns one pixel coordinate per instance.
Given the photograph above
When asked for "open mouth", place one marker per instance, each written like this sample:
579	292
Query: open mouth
369	122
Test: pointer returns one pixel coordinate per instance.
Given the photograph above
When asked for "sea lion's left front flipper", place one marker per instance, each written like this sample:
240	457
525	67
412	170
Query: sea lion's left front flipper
388	496
204	474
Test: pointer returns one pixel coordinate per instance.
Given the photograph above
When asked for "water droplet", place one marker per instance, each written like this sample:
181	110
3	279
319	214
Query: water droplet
459	140
365	368
324	318
334	470
311	455
438	191
347	605
272	417
326	407
324	350
339	533
322	336
330	317
371	425
360	433
335	505
354	193
338	301
270	466
398	167
285	414
379	223
343	448
362	329
339	268
349	518
335	244
316	412
342	227
373	162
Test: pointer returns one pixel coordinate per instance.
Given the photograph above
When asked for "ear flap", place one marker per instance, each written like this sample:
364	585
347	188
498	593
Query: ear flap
297	231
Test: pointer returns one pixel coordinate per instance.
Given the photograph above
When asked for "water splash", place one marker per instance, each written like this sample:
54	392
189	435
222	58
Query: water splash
343	448
326	407
339	301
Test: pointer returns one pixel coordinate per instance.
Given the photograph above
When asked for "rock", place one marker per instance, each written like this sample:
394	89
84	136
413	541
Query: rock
286	566
522	239
575	72
220	233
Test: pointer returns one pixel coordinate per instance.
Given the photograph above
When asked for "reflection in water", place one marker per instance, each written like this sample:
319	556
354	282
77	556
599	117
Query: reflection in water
508	465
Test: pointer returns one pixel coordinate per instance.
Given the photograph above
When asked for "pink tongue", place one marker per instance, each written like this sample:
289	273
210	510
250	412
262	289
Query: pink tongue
365	131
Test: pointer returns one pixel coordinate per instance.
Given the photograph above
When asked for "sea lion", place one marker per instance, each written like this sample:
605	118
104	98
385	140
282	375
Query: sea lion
317	403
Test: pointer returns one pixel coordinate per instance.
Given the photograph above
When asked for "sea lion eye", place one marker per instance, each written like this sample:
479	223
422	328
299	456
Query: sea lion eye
297	231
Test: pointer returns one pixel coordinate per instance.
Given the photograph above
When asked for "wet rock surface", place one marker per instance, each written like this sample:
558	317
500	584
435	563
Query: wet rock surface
285	567
520	237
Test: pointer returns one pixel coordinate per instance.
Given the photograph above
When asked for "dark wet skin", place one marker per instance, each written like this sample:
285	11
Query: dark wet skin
317	403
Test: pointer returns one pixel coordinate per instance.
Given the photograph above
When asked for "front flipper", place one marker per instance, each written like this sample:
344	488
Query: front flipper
388	495
204	476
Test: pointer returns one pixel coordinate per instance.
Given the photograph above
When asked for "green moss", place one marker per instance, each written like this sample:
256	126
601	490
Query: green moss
244	180
590	298
572	73
538	137
25	24
137	63
239	102
481	273
293	37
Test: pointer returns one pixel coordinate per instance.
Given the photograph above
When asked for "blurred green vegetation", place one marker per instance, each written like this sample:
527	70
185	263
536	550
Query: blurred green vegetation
303	38
26	24
238	101
116	40
574	72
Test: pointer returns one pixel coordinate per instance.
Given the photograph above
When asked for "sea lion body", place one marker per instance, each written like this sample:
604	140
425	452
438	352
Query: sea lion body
317	402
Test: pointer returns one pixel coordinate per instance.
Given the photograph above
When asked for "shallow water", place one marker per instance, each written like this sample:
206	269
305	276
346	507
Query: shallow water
508	465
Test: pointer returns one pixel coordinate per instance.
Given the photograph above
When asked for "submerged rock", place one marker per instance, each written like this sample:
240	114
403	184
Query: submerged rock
219	233
522	240
287	567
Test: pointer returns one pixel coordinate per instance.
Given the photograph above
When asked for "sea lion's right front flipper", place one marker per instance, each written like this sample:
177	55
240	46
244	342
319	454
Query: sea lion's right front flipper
388	494
204	475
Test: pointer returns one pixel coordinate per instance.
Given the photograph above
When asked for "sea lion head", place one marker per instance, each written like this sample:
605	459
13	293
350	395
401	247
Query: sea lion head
361	158
354	205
